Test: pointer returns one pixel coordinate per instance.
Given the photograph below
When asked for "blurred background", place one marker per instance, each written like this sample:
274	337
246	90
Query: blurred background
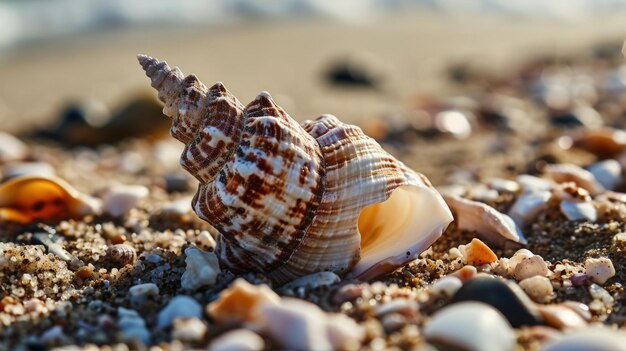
68	70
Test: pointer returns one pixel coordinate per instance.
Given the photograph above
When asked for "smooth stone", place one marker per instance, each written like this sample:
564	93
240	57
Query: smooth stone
238	340
313	281
531	266
470	326
506	297
528	206
538	288
503	185
591	339
178	307
178	207
607	172
120	199
561	317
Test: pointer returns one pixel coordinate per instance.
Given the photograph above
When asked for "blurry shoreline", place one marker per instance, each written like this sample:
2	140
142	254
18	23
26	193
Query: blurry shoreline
288	59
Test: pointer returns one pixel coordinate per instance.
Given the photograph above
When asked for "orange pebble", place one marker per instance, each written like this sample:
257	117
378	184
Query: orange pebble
478	253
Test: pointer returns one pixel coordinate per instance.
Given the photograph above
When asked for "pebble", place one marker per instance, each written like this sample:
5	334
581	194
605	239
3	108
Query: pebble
589	339
579	210
238	340
314	281
405	307
179	306
470	326
478	253
178	207
201	271
140	293
29	169
241	303
539	288
503	185
357	70
455	123
447	286
528	206
466	273
532	184
517	257
189	329
11	148
84	272
600	294
565	172
506	297
120	199
599	269
53	334
120	255
531	266
608	173
561	317
132	326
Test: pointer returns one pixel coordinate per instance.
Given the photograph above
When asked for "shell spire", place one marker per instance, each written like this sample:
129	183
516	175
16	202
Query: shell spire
291	199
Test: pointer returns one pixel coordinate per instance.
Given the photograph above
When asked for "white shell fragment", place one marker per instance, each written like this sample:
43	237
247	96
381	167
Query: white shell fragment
599	269
531	183
120	199
178	307
132	326
565	172
238	340
202	269
471	326
528	206
314	280
607	172
579	210
489	223
503	185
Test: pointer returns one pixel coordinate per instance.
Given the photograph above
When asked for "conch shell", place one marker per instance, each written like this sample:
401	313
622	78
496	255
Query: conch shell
26	199
291	199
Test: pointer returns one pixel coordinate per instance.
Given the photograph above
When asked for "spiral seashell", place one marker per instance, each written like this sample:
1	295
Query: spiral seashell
120	255
291	199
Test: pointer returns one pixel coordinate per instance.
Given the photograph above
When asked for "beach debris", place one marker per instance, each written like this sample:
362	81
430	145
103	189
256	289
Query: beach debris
599	269
11	148
489	224
530	267
594	338
190	329
282	194
505	296
579	210
121	255
132	327
120	199
238	340
477	253
528	206
241	303
313	281
201	271
608	173
561	316
356	70
28	199
19	169
141	293
471	326
604	142
447	285
538	288
180	306
565	173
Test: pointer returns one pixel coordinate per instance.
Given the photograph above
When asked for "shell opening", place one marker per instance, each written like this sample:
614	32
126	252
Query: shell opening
396	231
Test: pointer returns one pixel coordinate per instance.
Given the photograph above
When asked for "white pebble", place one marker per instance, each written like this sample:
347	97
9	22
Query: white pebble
600	294
538	288
238	340
503	185
178	207
447	285
579	210
607	172
531	183
179	306
403	306
202	269
314	280
120	199
189	329
11	148
594	338
531	266
528	206
140	293
132	326
599	269
518	257
473	325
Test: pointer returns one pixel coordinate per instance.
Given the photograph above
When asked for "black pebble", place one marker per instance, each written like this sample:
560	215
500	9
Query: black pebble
507	297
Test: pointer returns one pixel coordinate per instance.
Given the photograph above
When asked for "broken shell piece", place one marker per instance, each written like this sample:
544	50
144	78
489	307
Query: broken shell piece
565	172
579	210
202	269
31	198
534	184
241	303
607	172
490	224
528	206
478	254
290	199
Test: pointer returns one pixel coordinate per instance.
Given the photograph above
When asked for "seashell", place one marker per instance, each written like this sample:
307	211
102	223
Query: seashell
120	255
564	172
30	198
291	200
485	220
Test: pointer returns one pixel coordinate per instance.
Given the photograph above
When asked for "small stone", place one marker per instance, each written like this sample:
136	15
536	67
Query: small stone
405	307
600	294
503	185
561	317
608	173
599	269
531	266
478	253
241	303
178	207
518	257
189	329
139	294
539	288
201	271
447	286
314	281
53	334
579	210
84	272
132	326
506	297
120	199
11	148
528	206
619	241
470	326
466	273
29	169
205	241
238	340
579	279
179	306
596	339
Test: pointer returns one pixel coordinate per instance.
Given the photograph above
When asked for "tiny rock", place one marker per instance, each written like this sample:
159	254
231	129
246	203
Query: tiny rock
561	317
241	303
189	329
607	172
448	285
238	340
139	294
539	288
596	338
120	199
314	281
478	253
178	307
202	269
11	148
132	326
579	210
599	269
531	266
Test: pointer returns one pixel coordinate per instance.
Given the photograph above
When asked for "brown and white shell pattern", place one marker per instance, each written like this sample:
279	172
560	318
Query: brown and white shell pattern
292	199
